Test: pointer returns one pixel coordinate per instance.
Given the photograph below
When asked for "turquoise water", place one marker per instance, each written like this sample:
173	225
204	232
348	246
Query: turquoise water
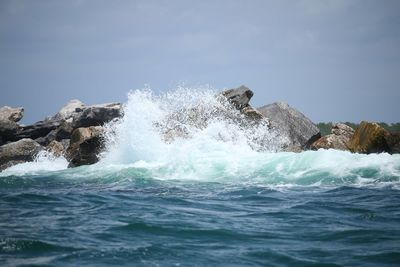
214	199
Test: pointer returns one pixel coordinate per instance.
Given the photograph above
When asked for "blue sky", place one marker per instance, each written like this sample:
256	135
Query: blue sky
333	60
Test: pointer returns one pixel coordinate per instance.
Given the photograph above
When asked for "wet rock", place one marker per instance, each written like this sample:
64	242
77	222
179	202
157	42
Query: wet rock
17	152
85	146
292	125
239	97
369	137
56	148
11	114
338	139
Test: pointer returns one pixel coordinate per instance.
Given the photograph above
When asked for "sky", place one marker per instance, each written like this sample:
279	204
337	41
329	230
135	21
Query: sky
333	60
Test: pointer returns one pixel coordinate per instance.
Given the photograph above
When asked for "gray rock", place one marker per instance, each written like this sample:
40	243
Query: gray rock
85	146
11	114
97	115
291	124
393	141
239	97
338	139
71	109
38	129
21	151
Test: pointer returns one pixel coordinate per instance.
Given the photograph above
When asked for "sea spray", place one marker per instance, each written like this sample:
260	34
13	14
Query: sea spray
221	150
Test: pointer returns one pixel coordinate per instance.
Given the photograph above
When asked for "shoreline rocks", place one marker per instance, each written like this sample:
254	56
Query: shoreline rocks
76	131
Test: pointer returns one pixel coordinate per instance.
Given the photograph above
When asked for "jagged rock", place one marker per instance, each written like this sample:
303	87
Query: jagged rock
71	109
239	97
252	113
38	129
338	139
97	115
291	124
56	148
369	137
85	146
20	151
11	114
393	141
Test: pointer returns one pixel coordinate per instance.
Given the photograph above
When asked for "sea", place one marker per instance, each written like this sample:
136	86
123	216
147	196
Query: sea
214	197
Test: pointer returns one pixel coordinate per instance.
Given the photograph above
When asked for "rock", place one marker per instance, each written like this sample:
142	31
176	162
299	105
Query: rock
252	113
393	141
85	146
291	124
97	115
338	139
56	148
8	131
11	114
239	97
38	129
71	109
369	137
21	151
8	123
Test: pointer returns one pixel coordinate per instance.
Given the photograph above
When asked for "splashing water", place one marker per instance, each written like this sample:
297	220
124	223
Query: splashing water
193	134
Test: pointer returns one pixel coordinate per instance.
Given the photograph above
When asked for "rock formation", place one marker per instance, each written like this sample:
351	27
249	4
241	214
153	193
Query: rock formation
85	146
291	124
369	137
338	139
18	152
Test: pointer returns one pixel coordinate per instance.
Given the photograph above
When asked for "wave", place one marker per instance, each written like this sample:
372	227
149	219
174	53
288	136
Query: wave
222	150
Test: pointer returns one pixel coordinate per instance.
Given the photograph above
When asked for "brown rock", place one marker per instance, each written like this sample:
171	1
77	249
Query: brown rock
369	137
85	146
56	148
393	141
338	139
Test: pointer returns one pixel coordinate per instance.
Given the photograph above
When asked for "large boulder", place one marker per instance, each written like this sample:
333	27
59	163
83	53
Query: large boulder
97	115
85	146
338	139
292	125
369	137
11	114
239	97
21	151
38	129
8	123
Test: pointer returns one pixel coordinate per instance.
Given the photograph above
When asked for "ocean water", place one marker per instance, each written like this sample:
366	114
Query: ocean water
217	198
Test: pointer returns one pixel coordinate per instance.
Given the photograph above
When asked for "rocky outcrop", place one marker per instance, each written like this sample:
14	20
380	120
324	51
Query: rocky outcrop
17	152
85	146
338	139
292	125
369	137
